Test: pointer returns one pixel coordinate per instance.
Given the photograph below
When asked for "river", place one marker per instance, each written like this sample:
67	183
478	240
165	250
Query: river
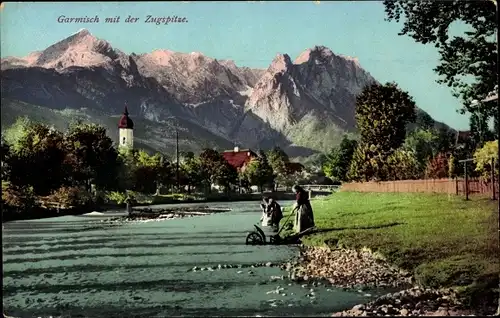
77	265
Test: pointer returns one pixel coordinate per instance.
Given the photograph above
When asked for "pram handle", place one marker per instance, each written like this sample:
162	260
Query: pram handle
286	221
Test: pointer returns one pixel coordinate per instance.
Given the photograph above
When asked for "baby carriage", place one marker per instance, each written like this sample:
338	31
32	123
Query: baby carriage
258	237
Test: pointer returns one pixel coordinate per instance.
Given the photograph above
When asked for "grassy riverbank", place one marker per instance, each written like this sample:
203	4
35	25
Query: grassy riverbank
443	240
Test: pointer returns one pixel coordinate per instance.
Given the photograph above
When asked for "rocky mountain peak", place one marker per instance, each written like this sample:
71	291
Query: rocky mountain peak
160	57
305	104
81	33
177	60
79	49
303	57
322	51
321	54
228	63
319	85
280	64
316	54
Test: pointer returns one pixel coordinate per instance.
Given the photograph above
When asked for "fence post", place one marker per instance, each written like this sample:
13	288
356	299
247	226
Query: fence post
456	185
466	182
493	194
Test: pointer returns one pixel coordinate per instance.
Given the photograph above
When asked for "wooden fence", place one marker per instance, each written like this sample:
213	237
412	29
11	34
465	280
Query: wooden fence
450	186
320	187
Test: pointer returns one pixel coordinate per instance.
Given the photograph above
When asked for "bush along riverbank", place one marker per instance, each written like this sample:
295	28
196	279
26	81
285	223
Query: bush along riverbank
438	252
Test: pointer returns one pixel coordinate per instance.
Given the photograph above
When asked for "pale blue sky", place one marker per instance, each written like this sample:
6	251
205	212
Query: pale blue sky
249	33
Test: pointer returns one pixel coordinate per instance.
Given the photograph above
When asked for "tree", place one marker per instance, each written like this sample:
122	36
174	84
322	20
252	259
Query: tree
278	160
423	144
186	155
149	173
163	169
317	160
18	198
266	169
468	61
210	161
16	131
382	113
480	133
259	173
446	139
126	168
143	174
339	159
298	177
4	157
225	175
452	167
214	169
36	158
483	157
190	169
91	156
403	165
438	167
367	164
243	181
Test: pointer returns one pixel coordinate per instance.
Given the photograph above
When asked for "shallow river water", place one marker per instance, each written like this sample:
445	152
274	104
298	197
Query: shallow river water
78	266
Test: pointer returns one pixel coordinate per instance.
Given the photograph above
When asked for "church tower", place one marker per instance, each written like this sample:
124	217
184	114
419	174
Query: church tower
126	129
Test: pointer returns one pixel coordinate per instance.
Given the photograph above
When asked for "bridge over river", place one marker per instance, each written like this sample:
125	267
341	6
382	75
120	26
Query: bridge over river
78	265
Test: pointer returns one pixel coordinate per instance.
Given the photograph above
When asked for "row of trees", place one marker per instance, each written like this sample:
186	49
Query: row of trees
468	65
39	161
389	150
147	174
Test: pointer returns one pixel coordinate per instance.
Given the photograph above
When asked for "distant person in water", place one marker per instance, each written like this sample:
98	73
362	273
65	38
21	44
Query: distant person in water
129	201
304	217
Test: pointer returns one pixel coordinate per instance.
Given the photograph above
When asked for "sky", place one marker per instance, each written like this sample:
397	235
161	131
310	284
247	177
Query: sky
250	33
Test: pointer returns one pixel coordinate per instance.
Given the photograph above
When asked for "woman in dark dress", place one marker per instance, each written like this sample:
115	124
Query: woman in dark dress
274	208
304	218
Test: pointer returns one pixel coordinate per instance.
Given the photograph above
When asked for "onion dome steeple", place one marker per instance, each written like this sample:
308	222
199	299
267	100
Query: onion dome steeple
125	121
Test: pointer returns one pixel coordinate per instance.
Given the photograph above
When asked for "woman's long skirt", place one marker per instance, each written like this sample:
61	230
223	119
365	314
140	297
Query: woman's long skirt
304	218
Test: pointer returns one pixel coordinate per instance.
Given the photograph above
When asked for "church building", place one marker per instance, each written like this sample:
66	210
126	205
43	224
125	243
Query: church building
126	131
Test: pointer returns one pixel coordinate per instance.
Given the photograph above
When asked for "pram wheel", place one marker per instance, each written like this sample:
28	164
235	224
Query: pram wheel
254	238
275	239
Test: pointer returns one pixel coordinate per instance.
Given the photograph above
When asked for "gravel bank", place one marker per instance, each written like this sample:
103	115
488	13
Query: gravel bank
412	302
143	215
362	269
346	268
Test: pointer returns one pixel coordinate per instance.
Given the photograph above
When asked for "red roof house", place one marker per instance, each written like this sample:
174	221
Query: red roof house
239	158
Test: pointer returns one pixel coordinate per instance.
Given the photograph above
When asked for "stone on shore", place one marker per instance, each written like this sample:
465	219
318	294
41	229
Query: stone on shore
349	269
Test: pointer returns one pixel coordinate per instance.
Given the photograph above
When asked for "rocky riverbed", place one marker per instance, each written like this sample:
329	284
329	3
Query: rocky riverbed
346	268
415	301
142	215
75	266
363	269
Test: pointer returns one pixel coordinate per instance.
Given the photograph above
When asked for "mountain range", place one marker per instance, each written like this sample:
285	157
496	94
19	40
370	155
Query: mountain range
303	106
